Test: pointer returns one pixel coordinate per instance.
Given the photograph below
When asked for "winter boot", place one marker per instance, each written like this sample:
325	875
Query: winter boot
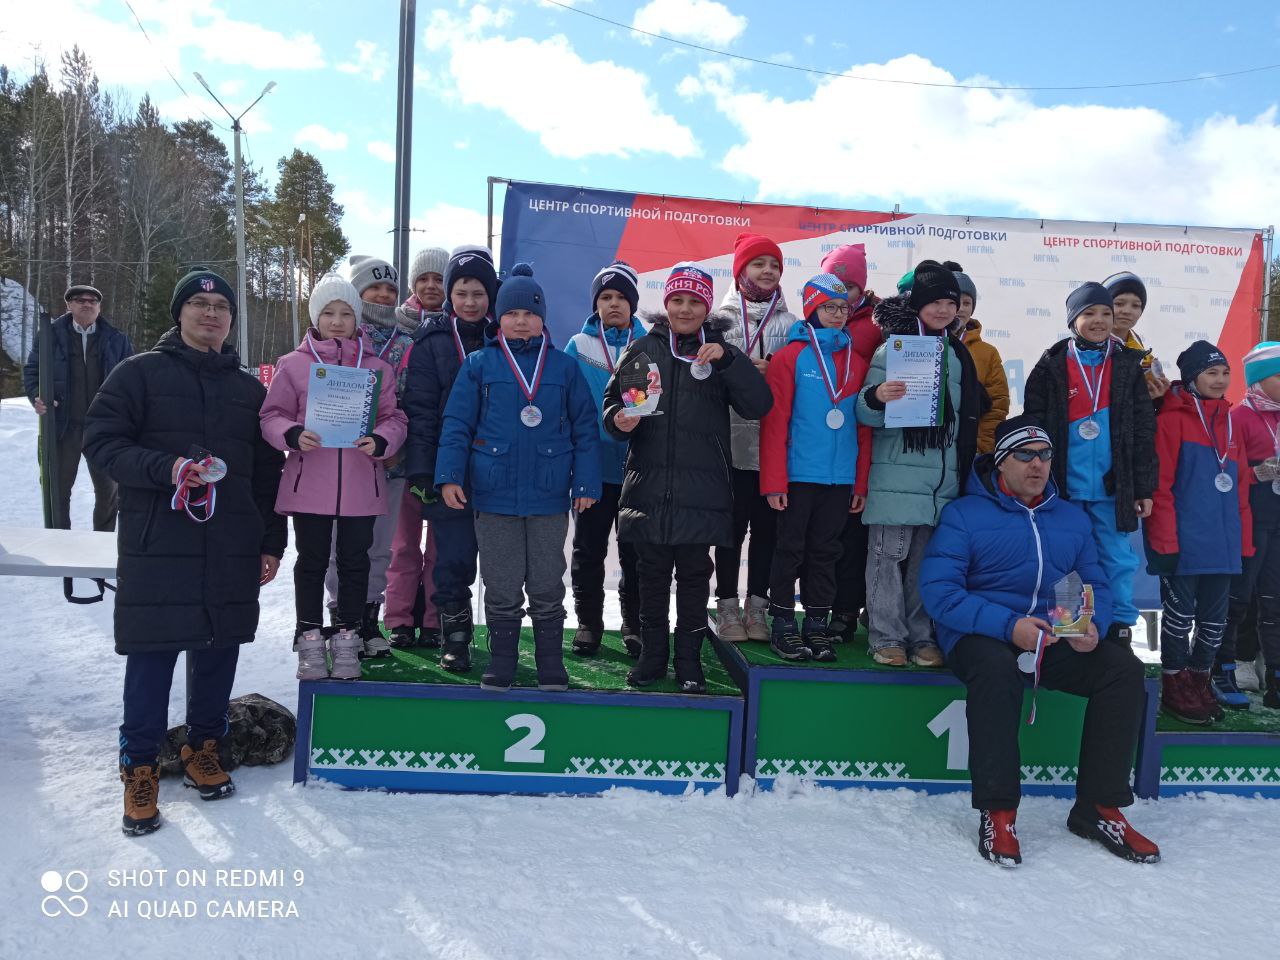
630	623
375	644
816	635
842	627
1203	688
429	637
729	625
1222	682
891	656
998	837
1248	676
455	630
403	638
655	651
631	640
345	646
548	654
1272	697
688	659
141	788
504	647
1107	826
785	639
1119	634
586	642
1179	699
312	664
757	626
202	769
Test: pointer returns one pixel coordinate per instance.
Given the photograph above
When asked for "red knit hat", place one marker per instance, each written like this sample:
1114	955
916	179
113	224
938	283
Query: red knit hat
748	246
849	263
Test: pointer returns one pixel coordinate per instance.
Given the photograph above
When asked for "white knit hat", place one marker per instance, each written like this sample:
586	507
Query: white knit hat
428	260
329	289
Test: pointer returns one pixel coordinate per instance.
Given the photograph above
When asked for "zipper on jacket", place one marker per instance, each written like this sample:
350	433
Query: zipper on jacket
1035	594
377	492
671	447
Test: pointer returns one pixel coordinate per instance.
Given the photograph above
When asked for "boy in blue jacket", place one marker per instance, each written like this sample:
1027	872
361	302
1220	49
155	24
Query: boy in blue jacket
611	328
520	426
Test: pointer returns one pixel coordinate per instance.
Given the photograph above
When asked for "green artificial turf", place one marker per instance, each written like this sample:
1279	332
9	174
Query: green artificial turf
607	670
849	656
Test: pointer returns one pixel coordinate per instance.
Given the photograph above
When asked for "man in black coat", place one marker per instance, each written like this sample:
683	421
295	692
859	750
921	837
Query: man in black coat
86	348
162	426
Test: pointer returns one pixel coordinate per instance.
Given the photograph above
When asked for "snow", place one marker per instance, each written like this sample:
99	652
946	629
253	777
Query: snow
799	872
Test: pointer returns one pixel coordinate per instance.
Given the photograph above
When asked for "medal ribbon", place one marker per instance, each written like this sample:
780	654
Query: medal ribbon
1035	684
833	391
359	354
671	336
609	359
182	493
1092	387
749	341
530	389
1213	439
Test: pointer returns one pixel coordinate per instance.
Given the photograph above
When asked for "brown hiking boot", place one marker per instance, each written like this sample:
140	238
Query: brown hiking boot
1180	698
203	770
141	787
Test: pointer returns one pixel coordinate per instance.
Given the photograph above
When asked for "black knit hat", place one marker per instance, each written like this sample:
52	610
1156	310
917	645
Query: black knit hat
1017	432
200	280
617	276
933	282
1198	358
1085	296
1126	282
472	261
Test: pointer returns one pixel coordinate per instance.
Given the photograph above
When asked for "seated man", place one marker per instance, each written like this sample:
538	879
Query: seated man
987	580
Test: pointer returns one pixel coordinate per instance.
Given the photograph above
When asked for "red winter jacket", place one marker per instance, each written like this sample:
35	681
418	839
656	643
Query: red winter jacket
863	331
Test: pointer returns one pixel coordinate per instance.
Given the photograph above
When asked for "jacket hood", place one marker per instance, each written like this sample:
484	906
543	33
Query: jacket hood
657	321
799	333
973	330
730	299
982	483
896	318
171	342
591	327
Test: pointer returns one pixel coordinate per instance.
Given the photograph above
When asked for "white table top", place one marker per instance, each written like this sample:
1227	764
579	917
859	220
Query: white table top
34	552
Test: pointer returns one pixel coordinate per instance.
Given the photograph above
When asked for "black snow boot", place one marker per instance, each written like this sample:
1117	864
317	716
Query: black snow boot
429	637
842	627
456	629
403	638
654	654
816	635
504	647
1271	698
548	654
689	661
630	623
586	642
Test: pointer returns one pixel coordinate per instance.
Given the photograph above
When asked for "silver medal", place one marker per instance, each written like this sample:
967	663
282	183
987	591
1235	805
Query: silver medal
531	416
700	371
215	470
1224	483
1089	430
1275	486
835	418
1027	661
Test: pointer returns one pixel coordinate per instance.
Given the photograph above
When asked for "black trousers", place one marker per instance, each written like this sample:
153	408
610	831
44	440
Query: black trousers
105	496
313	536
808	546
691	563
591	531
1109	676
753	511
1257	585
147	679
851	568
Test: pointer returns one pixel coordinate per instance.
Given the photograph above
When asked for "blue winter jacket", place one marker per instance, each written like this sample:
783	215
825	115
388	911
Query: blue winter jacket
113	347
516	470
993	560
586	349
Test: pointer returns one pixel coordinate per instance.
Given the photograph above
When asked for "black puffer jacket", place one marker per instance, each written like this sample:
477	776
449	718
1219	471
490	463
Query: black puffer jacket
1134	468
433	366
678	488
185	585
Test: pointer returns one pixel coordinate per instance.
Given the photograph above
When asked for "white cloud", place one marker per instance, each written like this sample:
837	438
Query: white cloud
370	62
546	88
966	150
199	107
705	21
448	225
382	150
320	137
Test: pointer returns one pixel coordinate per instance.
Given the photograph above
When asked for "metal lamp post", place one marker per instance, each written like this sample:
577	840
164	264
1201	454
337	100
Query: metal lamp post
242	336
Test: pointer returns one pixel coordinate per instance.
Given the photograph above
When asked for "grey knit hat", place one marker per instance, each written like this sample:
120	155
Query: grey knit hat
428	260
364	272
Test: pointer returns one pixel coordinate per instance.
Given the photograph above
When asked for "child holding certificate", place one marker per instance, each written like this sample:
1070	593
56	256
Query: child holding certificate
520	435
1200	526
677	500
324	487
918	469
1089	392
814	460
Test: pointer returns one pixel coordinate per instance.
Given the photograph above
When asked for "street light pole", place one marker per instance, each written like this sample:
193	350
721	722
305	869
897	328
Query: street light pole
242	293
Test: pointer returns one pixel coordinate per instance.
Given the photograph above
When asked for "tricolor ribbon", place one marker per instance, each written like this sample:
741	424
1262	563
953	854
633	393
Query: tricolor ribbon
1213	437
457	339
359	348
530	388
1035	683
749	342
828	379
182	493
1092	387
675	351
609	359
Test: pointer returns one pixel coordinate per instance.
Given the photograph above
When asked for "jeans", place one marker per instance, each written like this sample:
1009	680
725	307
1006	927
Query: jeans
895	613
147	679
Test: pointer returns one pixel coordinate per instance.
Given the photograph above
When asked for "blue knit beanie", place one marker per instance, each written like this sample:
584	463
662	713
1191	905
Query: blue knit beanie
519	291
1262	361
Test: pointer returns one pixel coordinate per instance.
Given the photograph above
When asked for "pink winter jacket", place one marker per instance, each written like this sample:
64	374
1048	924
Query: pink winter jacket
326	481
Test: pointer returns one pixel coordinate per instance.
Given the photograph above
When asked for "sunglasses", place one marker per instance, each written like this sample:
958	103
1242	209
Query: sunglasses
1026	456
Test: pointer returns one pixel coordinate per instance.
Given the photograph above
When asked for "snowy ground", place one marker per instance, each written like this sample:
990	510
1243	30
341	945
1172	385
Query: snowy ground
799	873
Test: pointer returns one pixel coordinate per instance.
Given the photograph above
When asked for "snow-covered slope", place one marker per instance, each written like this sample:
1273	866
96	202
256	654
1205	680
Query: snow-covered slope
800	872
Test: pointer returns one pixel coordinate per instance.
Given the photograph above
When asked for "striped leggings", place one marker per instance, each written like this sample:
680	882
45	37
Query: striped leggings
1194	619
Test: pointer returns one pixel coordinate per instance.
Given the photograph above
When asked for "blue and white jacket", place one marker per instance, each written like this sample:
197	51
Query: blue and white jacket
585	347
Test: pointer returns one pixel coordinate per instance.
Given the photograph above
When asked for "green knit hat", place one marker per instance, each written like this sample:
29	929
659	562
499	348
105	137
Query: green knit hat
200	280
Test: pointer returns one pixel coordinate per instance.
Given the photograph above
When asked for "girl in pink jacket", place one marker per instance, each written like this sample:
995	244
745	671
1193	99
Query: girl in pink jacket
326	486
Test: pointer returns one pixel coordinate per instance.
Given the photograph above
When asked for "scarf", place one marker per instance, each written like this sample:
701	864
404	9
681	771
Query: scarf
1259	400
753	293
943	433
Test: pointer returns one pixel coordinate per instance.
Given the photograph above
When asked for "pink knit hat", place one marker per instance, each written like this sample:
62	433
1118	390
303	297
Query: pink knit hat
849	263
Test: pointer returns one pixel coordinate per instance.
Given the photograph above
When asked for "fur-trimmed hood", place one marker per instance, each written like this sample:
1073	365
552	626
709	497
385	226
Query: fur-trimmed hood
656	320
895	317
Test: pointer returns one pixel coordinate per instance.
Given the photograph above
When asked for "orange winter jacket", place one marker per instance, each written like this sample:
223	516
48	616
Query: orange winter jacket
991	372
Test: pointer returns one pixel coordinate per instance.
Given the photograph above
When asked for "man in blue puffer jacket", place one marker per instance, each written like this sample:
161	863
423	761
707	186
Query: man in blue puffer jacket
520	434
988	582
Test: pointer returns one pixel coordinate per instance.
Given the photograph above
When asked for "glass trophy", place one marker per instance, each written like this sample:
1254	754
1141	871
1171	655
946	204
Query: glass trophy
641	386
1073	607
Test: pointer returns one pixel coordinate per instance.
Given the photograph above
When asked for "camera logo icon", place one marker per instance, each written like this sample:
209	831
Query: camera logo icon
74	883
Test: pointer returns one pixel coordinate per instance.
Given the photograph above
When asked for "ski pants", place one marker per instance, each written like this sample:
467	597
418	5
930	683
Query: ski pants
1116	557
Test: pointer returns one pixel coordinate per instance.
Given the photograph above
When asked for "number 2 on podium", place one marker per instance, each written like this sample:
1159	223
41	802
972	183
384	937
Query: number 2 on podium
522	751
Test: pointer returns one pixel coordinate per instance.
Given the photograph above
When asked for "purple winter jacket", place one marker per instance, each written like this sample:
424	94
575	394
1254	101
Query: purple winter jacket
327	481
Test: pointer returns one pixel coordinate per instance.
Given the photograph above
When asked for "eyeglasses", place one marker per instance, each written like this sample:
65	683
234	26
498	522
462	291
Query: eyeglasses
85	300
204	306
1026	456
834	309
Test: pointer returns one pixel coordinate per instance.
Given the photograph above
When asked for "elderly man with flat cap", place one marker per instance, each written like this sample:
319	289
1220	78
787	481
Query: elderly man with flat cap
86	348
988	581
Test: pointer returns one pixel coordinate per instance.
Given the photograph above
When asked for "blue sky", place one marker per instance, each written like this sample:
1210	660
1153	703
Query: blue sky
524	90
